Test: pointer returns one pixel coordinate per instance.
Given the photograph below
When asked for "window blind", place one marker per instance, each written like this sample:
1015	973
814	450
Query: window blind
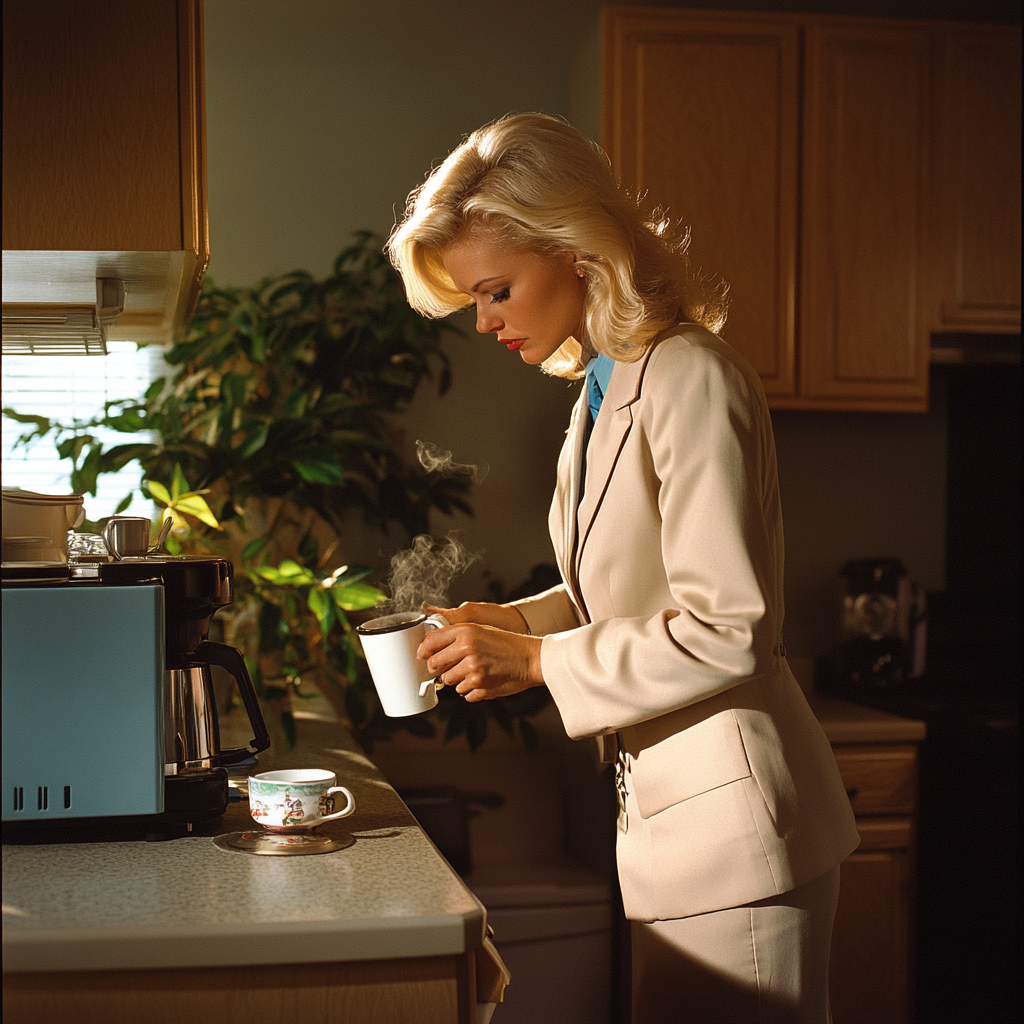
75	387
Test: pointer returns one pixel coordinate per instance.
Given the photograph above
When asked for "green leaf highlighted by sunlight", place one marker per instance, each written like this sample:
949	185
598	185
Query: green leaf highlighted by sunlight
356	597
158	492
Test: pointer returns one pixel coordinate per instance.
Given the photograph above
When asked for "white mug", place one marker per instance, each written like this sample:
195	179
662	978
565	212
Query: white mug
404	683
296	799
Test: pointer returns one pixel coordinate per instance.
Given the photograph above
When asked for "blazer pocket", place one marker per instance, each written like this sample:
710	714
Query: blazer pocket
694	760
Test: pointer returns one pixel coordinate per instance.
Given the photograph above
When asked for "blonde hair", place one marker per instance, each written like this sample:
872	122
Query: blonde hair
535	184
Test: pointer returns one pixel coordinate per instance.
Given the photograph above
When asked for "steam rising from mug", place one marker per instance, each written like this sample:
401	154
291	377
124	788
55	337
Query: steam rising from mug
424	573
436	460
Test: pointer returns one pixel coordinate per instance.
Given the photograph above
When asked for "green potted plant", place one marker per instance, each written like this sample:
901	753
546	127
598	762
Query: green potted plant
274	432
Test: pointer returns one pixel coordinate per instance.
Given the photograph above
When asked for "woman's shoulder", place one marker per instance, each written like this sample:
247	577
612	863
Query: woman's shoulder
689	353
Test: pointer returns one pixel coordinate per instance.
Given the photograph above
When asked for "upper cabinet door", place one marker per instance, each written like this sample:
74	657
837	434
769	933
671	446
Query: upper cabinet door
96	155
863	330
104	157
701	113
977	196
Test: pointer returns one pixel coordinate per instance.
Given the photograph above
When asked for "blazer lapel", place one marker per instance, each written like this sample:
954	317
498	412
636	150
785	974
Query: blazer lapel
606	443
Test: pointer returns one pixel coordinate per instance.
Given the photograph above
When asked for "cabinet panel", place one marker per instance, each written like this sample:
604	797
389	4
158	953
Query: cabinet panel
419	990
977	214
863	334
879	780
869	976
104	157
91	132
701	113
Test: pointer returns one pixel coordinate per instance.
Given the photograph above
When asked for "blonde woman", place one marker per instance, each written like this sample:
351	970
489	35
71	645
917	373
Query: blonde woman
665	638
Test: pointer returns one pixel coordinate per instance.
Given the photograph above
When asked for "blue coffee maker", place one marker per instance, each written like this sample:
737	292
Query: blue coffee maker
109	708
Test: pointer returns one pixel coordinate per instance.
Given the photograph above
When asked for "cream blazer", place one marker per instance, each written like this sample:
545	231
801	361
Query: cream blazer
666	636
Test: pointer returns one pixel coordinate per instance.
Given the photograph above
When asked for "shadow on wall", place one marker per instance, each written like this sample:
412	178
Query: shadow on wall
857	485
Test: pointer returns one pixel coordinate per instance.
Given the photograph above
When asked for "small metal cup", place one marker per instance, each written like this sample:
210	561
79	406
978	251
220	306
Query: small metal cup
126	536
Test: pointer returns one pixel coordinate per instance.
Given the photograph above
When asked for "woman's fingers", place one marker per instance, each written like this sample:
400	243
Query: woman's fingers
482	662
502	616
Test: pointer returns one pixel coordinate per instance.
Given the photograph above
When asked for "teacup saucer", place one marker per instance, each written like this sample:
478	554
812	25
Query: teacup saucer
278	844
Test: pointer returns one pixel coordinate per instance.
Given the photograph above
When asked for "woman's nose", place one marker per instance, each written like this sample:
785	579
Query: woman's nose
487	321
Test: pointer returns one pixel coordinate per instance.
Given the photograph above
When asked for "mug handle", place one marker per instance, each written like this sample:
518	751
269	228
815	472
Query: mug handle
350	806
434	622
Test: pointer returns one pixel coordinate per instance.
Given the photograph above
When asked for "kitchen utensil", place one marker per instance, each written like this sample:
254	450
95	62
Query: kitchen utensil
28	514
126	536
87	547
296	799
161	538
404	683
31	549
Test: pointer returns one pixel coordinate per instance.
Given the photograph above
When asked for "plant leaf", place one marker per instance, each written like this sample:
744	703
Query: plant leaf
253	548
195	505
179	485
356	596
158	492
322	607
320	465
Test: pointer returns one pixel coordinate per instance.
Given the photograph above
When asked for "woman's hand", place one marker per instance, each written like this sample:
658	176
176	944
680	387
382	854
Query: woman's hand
485	653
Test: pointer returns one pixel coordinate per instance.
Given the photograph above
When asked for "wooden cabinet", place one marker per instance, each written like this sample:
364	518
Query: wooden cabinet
804	152
872	965
863	335
415	990
104	162
701	110
976	209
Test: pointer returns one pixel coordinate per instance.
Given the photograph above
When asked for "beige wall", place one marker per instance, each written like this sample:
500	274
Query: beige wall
322	114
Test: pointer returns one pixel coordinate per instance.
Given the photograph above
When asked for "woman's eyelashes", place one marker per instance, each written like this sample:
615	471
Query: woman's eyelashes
500	296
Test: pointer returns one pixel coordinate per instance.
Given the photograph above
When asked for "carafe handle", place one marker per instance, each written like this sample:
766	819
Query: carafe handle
230	659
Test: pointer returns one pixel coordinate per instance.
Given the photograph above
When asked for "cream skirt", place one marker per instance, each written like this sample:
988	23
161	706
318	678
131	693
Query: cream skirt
761	963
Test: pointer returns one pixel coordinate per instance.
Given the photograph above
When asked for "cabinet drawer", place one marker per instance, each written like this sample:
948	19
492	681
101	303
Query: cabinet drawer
879	779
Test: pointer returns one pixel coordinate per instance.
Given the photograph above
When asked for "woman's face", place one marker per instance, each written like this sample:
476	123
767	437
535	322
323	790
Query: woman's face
531	302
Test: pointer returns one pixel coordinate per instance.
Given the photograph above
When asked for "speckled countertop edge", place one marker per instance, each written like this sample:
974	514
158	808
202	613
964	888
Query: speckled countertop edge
185	903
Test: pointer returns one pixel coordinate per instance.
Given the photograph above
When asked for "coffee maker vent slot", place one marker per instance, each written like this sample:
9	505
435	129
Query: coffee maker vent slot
67	797
19	798
44	798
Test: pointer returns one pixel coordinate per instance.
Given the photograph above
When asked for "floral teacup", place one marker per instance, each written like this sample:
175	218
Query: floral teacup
296	799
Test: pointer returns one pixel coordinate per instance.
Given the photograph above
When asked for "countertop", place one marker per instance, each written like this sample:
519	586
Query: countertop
185	903
853	723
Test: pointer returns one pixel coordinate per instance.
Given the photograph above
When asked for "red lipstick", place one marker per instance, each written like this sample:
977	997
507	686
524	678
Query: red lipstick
513	344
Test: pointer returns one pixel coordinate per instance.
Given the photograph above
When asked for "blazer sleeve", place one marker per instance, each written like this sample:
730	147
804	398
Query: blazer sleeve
549	612
706	435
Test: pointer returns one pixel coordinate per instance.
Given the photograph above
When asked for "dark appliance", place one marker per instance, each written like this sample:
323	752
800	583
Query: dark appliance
882	642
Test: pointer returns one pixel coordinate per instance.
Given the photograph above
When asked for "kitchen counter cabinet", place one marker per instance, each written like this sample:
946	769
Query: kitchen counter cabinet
873	938
104	157
181	930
